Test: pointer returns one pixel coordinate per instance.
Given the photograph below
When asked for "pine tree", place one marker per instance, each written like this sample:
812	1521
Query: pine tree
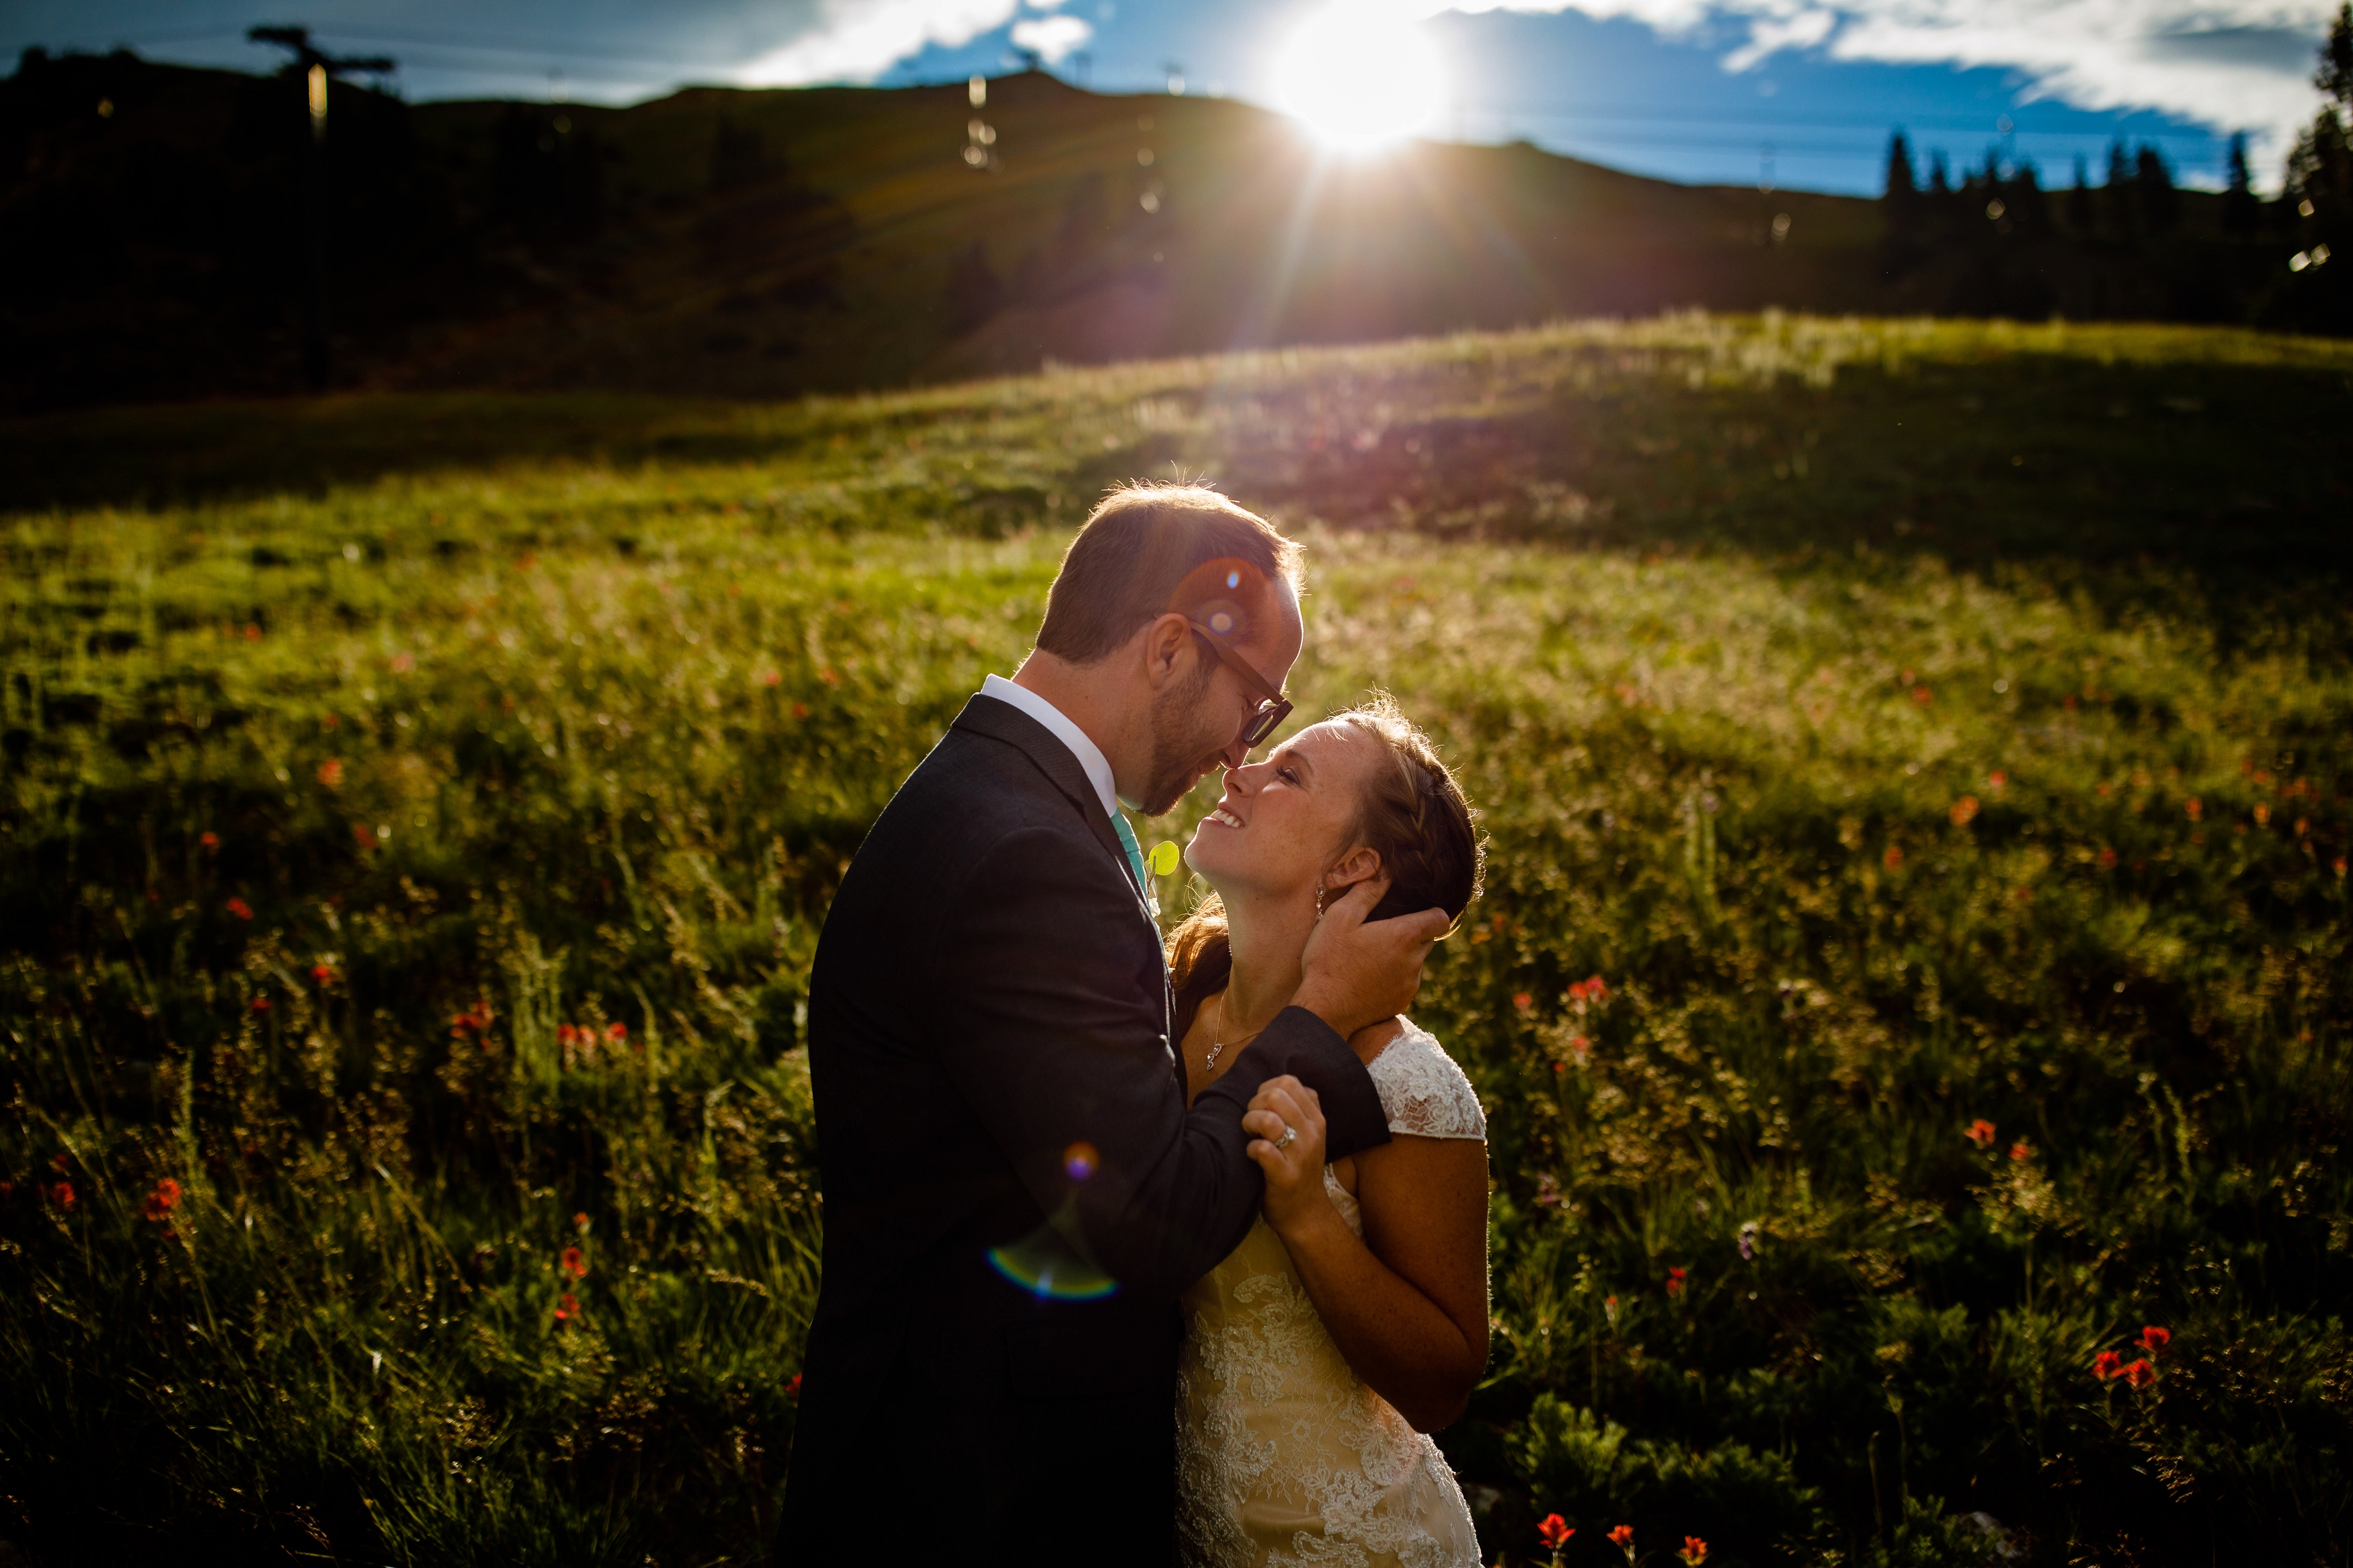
2118	211
1901	184
2240	209
2161	203
1901	205
2079	198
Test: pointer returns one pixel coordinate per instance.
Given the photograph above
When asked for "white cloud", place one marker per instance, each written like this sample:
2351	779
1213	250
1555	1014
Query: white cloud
1769	36
1052	36
857	40
2228	64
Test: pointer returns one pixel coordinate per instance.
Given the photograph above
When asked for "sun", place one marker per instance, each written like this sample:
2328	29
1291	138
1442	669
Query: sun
1360	75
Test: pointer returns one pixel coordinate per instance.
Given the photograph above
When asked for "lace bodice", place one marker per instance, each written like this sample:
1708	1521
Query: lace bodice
1283	1457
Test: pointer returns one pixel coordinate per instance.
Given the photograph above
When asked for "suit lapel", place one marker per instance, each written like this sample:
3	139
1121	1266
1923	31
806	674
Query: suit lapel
1003	721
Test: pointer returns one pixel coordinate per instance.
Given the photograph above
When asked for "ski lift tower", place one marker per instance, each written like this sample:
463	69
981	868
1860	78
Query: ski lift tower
317	68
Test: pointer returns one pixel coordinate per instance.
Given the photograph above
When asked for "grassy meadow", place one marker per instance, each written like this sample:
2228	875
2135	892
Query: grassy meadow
1935	739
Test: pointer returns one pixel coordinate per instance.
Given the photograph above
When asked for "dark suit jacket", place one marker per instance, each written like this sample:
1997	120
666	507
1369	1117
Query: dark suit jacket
990	994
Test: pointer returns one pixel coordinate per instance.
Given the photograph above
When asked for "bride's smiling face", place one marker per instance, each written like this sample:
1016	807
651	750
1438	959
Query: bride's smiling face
1285	824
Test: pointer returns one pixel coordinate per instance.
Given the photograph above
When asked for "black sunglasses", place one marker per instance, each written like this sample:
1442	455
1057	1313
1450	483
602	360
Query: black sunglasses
1270	712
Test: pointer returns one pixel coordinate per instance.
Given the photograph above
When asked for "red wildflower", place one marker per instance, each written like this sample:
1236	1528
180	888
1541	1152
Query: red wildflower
322	975
57	1162
2107	859
828	676
1964	810
331	773
2194	807
581	1219
771	678
2337	866
1923	696
209	840
240	909
1581	1045
793	1389
1523	1001
2107	1365
575	1264
1892	858
1675	1281
62	1195
402	663
1694	1550
2141	1375
1622	1536
162	1200
1997	781
261	1003
800	710
1981	1133
566	1307
1554	1531
331	721
252	632
1589	989
2021	1150
617	1032
2154	1339
564	1034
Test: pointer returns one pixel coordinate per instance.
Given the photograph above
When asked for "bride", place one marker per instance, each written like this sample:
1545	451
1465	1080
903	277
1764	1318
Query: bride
1352	1318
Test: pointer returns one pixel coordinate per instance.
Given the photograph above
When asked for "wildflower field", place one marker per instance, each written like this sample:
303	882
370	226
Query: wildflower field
1913	994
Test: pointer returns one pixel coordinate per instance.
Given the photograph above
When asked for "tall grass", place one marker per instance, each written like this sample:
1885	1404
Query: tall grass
420	813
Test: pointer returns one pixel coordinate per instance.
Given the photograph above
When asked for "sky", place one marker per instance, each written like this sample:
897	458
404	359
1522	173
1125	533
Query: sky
1797	94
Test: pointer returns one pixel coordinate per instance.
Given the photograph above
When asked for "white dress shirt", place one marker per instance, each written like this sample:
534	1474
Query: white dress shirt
1092	761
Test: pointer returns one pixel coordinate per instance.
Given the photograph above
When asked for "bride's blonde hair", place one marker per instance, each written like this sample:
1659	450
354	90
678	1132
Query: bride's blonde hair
1414	814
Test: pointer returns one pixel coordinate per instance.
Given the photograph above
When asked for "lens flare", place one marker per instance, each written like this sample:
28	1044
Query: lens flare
1047	1266
1080	1161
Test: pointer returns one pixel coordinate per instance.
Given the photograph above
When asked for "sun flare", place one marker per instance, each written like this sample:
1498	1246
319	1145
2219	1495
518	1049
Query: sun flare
1361	77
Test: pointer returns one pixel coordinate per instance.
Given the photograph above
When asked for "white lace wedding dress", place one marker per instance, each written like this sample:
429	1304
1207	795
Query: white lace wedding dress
1282	1455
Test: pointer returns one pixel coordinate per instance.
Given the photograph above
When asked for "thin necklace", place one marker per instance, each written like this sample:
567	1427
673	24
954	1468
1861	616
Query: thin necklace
1210	1062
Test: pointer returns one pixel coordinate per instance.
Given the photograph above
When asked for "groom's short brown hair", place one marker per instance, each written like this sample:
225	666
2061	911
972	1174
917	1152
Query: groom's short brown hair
1134	550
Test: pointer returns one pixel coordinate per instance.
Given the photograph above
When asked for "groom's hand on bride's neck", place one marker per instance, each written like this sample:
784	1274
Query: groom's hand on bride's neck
1356	971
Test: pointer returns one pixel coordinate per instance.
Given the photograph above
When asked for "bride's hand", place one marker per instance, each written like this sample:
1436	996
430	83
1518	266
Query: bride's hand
1294	1174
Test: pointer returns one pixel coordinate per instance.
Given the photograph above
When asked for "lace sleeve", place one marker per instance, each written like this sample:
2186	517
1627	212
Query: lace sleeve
1422	1092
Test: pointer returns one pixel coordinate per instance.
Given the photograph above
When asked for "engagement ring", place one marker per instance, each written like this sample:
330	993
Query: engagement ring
1289	1132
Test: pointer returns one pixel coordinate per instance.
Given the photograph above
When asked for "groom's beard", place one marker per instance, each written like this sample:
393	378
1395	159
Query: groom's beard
1182	750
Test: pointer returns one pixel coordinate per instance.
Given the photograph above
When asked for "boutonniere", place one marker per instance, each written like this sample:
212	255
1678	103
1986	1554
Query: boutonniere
1161	860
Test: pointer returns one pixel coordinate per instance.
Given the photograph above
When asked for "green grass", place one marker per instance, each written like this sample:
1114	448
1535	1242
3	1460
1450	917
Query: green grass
1731	625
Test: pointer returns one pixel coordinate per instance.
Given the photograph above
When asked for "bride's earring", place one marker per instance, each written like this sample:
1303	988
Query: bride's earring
1319	901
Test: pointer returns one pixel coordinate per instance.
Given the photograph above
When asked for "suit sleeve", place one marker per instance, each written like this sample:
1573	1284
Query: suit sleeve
1056	1035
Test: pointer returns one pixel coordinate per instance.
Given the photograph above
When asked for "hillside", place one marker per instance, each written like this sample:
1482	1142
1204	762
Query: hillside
770	243
1911	993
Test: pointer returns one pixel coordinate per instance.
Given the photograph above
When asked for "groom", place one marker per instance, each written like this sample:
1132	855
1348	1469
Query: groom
1014	1190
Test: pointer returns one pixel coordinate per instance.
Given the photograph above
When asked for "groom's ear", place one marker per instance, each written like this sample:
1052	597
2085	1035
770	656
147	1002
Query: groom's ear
1168	648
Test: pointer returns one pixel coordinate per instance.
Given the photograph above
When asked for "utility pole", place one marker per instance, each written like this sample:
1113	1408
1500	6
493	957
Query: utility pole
317	68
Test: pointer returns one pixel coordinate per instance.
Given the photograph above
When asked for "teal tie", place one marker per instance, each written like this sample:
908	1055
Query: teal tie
1134	853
